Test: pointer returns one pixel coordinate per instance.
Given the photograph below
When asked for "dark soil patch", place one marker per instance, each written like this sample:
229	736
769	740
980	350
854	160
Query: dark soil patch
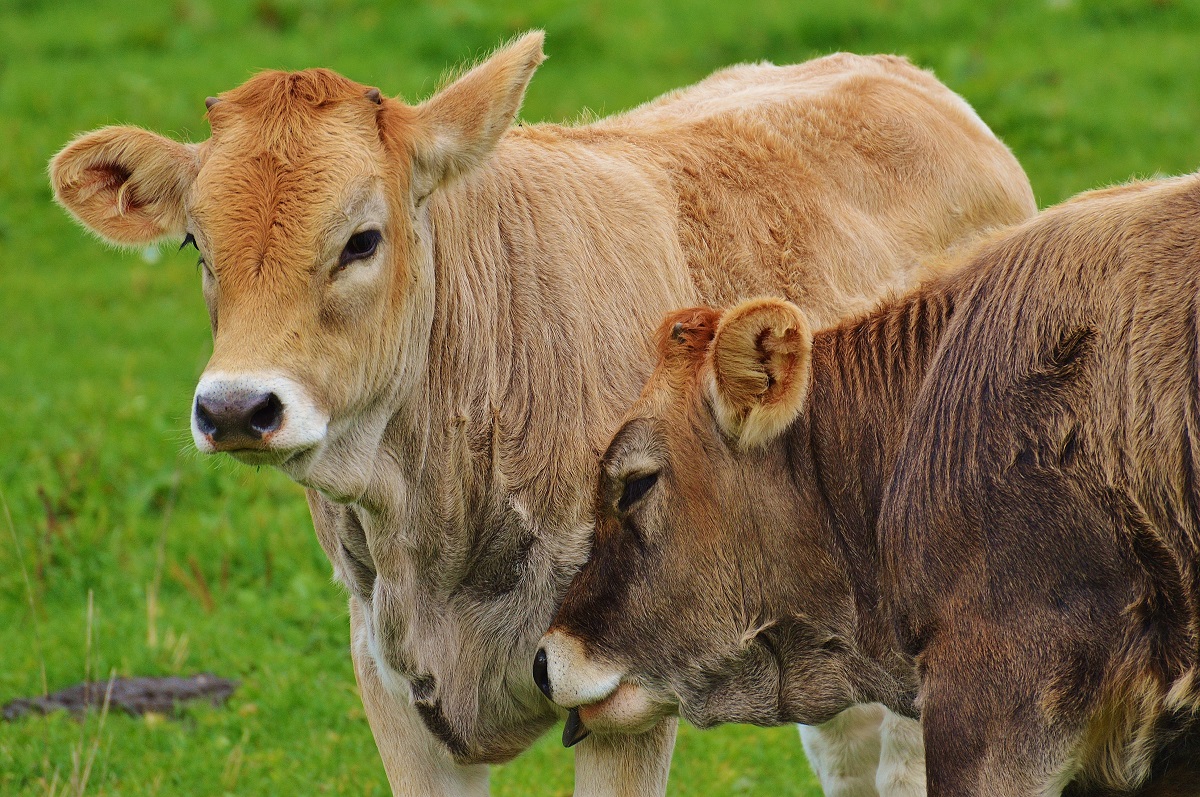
135	696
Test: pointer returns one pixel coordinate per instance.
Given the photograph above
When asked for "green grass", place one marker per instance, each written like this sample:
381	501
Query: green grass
99	349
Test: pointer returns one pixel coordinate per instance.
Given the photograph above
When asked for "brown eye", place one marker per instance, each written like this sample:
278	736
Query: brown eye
635	489
360	246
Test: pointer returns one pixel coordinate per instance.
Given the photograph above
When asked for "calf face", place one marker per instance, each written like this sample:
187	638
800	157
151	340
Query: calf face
678	607
308	209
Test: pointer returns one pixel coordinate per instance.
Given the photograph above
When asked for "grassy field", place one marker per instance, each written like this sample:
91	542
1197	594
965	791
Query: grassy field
197	565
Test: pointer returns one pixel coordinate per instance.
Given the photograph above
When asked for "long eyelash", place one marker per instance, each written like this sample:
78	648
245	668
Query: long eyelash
199	264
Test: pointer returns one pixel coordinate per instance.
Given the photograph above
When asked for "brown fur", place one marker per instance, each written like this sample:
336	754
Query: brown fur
1069	491
985	511
469	383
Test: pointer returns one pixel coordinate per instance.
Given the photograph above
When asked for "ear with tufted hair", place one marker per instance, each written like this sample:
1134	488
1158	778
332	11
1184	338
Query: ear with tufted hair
760	366
459	126
125	184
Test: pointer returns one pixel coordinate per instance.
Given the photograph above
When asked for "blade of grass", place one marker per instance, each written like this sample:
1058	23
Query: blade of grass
160	559
78	748
87	768
37	638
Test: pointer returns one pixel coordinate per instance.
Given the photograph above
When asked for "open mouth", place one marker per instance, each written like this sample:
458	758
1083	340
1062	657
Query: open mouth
595	691
576	729
628	709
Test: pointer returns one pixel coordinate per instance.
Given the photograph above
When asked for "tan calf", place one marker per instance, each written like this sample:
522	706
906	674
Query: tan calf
431	319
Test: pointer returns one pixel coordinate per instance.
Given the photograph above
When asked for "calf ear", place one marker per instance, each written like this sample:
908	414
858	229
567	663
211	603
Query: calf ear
760	365
125	184
459	126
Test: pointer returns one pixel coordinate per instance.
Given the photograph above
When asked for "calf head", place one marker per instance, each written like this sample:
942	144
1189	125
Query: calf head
308	207
687	600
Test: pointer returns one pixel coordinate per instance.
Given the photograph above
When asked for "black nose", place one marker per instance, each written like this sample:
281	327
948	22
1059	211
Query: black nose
233	416
541	675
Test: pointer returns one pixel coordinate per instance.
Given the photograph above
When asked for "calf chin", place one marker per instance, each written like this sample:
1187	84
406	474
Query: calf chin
747	692
630	709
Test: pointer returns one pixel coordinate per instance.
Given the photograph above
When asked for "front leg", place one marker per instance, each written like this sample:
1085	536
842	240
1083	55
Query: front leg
417	765
901	757
844	752
972	755
626	766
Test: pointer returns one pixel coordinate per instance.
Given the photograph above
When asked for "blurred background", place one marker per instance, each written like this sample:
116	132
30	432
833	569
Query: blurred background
197	565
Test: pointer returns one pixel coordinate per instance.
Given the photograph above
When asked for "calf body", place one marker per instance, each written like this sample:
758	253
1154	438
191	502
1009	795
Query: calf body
977	505
1040	532
431	321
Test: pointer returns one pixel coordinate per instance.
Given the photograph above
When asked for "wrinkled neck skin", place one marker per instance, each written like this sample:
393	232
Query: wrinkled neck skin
866	375
454	508
417	477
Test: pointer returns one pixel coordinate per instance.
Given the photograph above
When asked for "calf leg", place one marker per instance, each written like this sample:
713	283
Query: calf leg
417	765
901	757
625	766
844	752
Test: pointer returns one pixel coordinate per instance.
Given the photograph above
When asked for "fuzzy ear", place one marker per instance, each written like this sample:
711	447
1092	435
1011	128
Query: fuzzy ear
760	365
460	125
125	184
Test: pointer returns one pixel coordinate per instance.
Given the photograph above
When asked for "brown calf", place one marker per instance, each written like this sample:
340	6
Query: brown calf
979	504
432	320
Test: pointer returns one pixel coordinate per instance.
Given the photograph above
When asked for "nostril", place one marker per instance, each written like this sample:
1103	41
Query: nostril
541	672
267	416
204	421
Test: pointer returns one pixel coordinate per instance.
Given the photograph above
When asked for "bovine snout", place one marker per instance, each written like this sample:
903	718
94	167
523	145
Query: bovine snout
566	674
254	413
238	416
